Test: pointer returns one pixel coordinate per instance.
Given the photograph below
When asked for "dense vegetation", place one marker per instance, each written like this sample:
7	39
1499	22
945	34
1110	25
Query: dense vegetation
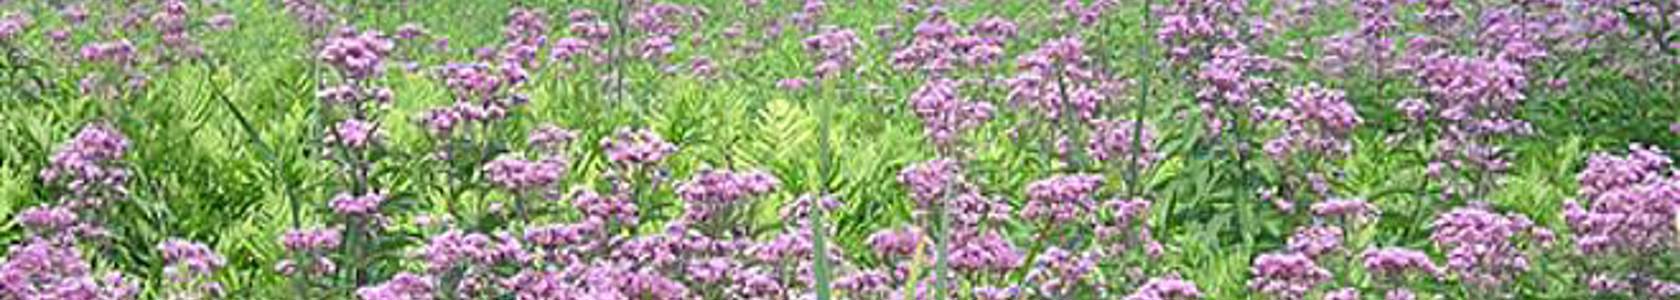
840	149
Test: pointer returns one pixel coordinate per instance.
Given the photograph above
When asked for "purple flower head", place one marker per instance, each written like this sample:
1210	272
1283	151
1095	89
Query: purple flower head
1317	121
13	24
1316	241
222	22
1631	205
473	81
1062	198
311	240
865	282
1166	288
1344	208
1343	294
931	181
186	261
366	205
357	55
834	51
354	134
569	49
1122	140
1054	78
550	138
403	286
526	27
639	147
1059	271
604	207
44	269
47	220
987	252
1398	262
1286	276
793	84
117	52
896	242
1481	246
944	113
519	175
711	190
90	162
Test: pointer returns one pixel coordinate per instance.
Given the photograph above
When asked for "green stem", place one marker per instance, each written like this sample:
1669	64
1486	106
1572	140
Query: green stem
819	240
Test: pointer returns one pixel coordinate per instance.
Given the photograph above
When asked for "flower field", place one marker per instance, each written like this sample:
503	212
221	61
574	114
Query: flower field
839	149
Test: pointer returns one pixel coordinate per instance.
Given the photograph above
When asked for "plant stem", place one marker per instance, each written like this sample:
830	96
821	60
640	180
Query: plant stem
819	240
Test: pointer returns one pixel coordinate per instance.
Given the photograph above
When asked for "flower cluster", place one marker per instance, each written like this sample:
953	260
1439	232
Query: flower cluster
1316	241
309	249
90	165
45	269
357	55
1398	262
1631	211
1286	276
1166	288
362	206
712	190
515	174
930	182
1062	198
1483	248
190	266
945	114
639	147
1053	80
1123	141
834	51
1318	121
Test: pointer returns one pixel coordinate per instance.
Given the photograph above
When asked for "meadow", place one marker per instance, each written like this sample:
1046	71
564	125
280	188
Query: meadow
839	149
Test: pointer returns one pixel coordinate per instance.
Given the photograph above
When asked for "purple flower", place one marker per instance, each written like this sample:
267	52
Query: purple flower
365	205
834	51
1166	288
866	282
987	252
357	55
90	163
1120	140
944	114
1481	246
931	181
1343	294
639	147
44	269
353	134
1286	276
311	240
896	242
47	220
1062	198
1318	121
1398	262
193	264
793	84
1344	208
1059	271
519	175
222	22
403	286
1315	241
12	24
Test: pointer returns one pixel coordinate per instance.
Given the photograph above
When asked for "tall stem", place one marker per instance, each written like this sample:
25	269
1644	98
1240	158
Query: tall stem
819	231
